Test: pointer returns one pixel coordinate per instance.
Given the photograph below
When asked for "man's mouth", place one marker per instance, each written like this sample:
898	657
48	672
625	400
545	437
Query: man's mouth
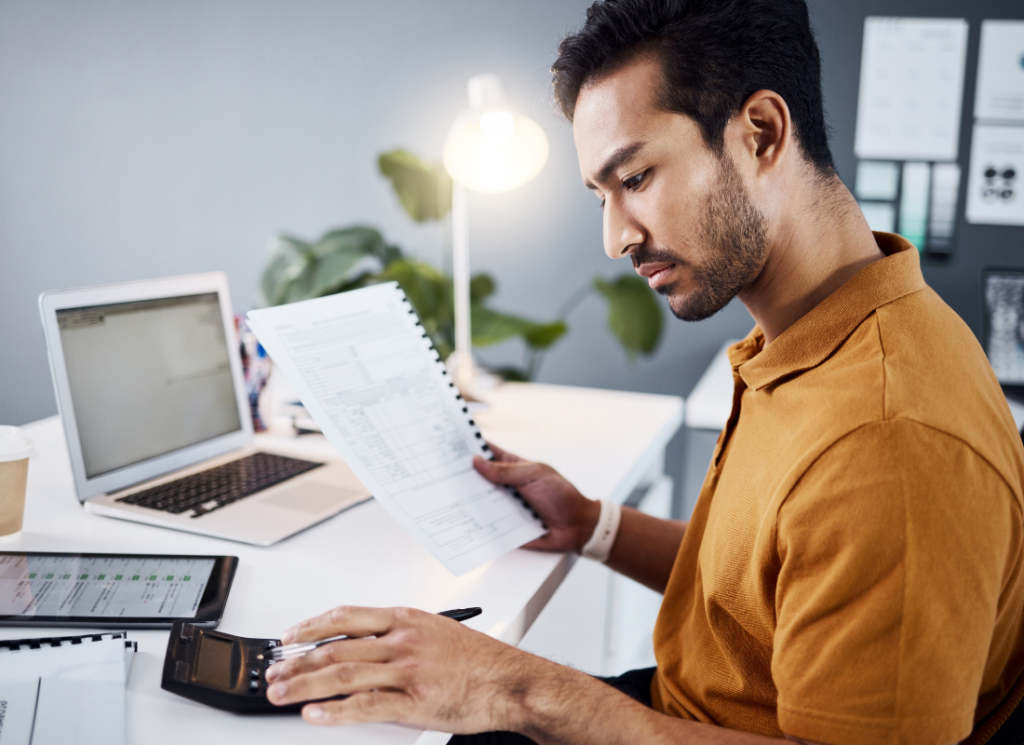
656	273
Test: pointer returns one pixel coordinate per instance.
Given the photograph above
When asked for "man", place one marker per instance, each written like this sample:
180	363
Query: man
852	572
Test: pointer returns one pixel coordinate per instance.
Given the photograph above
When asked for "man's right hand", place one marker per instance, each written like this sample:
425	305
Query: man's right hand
569	516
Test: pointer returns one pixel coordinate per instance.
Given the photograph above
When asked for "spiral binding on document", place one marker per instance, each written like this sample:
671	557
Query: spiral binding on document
16	645
465	409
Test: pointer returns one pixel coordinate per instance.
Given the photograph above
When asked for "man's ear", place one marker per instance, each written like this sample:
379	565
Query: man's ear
761	132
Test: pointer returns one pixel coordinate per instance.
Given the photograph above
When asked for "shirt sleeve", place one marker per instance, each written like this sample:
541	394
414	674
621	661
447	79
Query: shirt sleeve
894	548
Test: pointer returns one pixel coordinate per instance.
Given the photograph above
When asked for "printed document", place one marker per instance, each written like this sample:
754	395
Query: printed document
996	179
911	88
367	373
999	94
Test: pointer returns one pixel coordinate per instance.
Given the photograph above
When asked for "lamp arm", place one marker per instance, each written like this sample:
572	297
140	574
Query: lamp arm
460	276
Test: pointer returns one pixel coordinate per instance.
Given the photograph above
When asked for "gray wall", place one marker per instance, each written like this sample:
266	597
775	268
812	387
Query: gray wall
839	25
141	139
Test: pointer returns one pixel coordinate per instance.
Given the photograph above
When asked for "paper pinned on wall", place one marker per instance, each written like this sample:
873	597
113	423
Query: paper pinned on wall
1000	90
878	179
1004	303
914	191
911	88
942	213
994	184
880	215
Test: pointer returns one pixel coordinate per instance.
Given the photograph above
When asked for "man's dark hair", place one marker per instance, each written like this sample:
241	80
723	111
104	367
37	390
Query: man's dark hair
714	55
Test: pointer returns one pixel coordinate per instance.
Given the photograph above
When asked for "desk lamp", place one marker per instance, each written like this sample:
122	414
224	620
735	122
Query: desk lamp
489	149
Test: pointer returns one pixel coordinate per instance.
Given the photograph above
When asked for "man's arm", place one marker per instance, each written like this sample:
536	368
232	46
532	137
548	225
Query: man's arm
429	671
645	548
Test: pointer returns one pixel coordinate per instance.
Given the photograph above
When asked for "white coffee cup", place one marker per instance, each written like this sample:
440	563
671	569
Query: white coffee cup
15	449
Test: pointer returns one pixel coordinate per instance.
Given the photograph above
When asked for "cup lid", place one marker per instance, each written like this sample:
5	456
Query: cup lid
14	445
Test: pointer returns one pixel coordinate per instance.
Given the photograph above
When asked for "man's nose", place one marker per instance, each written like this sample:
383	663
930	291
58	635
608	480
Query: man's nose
622	235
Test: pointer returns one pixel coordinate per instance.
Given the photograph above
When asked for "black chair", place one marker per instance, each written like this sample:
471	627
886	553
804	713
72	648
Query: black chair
1011	732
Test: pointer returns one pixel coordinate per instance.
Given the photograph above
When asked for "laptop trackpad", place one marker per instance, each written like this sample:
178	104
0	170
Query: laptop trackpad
311	497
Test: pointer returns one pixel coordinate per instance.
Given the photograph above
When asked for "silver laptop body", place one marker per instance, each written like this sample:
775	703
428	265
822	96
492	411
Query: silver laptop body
149	386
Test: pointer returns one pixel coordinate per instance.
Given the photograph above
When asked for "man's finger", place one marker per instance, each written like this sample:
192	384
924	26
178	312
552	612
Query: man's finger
345	619
516	473
502	455
545	543
368	706
343	678
350	650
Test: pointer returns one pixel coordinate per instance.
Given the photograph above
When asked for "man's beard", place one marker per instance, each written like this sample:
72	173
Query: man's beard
734	239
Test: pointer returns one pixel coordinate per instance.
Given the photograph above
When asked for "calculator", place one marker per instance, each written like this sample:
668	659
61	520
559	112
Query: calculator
220	670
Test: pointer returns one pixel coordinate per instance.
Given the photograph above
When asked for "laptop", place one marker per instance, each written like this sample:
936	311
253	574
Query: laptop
149	386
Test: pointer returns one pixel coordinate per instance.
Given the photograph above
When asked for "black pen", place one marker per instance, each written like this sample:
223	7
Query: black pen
461	614
297	650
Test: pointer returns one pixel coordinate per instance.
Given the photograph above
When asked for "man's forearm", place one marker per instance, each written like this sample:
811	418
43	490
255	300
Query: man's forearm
646	547
556	705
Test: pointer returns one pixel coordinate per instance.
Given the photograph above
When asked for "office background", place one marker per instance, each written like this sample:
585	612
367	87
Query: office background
141	139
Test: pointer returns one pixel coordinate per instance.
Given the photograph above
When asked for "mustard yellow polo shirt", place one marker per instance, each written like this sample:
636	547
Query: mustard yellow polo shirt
852	573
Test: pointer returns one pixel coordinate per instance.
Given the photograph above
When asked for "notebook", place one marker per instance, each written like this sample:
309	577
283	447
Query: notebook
368	374
64	689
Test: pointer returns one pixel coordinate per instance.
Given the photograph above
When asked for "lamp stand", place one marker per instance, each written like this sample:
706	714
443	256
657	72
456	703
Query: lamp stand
460	274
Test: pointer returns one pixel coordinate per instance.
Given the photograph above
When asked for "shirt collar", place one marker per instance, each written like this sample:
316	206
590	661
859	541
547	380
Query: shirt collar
816	335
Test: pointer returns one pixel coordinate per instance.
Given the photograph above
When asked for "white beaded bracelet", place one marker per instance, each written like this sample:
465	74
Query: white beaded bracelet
600	544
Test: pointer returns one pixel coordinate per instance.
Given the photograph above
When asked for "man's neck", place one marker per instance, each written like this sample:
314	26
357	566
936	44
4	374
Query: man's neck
814	251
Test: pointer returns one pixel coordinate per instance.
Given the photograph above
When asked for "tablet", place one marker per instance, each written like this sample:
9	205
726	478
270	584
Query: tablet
117	591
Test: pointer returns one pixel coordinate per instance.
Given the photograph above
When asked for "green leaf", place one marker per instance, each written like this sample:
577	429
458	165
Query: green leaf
513	374
481	287
301	287
430	293
342	256
335	271
543	335
423	187
367	241
491	327
340	260
287	258
389	254
634	314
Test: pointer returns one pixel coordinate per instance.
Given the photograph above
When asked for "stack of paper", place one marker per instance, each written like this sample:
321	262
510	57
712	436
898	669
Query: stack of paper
64	690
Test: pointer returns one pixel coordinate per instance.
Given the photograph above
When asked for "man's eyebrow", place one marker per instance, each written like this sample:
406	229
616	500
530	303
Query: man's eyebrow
615	161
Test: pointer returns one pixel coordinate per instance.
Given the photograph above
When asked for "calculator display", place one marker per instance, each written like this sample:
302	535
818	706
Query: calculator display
214	666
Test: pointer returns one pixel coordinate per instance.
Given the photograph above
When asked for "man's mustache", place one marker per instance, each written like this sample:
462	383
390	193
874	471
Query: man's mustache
648	255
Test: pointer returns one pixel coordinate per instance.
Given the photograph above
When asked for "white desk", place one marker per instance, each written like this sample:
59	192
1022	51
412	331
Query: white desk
606	442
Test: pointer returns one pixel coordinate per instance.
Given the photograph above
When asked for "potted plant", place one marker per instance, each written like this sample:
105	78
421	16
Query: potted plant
356	256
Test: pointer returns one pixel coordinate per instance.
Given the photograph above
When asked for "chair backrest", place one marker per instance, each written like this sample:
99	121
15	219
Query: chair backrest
1005	725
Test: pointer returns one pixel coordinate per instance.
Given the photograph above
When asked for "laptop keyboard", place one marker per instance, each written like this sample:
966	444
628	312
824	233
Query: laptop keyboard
206	491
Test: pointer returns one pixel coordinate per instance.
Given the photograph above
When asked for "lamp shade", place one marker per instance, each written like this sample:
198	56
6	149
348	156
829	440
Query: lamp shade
490	148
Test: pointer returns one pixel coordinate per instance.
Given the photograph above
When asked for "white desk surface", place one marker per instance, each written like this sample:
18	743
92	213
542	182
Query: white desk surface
710	402
604	441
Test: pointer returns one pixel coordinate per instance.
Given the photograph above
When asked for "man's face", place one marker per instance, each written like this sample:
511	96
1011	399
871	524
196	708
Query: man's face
679	211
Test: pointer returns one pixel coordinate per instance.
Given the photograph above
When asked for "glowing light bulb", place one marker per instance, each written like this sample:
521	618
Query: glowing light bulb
499	126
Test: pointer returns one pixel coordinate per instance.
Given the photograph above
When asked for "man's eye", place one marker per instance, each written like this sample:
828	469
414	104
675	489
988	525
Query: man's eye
602	203
633	182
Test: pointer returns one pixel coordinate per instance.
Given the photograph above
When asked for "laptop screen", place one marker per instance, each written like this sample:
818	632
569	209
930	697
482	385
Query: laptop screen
147	378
